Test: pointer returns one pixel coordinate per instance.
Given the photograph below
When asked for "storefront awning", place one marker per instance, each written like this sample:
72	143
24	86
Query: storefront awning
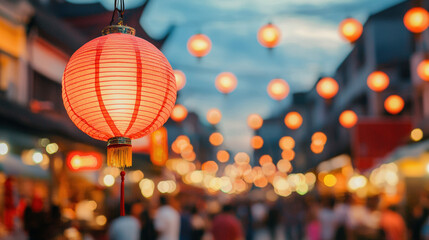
12	165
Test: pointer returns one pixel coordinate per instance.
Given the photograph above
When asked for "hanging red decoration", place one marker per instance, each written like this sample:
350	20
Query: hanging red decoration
269	35
118	87
351	29
199	45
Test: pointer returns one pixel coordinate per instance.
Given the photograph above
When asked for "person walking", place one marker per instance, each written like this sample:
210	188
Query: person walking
167	221
125	227
226	226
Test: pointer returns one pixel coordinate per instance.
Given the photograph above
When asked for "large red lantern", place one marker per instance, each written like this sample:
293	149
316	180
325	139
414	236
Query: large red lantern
416	20
327	87
226	82
348	119
350	29
423	70
278	89
118	87
378	81
269	35
199	45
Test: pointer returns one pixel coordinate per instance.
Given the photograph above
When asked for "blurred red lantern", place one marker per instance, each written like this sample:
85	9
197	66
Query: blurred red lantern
378	81
278	89
416	19
214	116
81	161
199	45
226	82
327	87
423	70
255	121
394	104
180	79
293	120
216	139
257	142
348	119
118	87
269	35
159	147
179	113
350	29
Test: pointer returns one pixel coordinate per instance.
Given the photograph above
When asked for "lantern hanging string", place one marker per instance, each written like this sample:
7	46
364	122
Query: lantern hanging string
122	193
119	10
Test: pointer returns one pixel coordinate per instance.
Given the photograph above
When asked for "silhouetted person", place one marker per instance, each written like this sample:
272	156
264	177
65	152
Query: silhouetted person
226	226
272	221
147	228
125	227
167	221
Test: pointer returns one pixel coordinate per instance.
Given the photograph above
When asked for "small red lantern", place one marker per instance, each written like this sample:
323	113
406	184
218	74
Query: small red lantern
199	45
293	120
350	29
269	35
378	81
255	121
226	82
327	87
394	104
278	89
348	119
423	70
180	79
179	113
214	116
416	19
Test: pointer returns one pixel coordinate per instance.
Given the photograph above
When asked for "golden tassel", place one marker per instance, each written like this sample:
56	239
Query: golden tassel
119	152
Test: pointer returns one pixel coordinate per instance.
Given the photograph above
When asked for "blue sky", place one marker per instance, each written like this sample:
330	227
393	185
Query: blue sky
310	47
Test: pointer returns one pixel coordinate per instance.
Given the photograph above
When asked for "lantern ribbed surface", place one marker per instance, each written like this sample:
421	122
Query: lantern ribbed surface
118	85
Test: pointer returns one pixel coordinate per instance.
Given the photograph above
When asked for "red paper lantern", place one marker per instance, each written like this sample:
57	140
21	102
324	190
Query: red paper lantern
423	70
378	81
416	20
394	104
226	82
348	119
293	120
278	89
327	88
199	45
118	87
350	29
269	35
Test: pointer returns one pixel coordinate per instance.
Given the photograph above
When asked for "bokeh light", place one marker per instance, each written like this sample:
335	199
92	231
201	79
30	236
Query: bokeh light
255	121
378	81
416	20
180	79
350	29
179	113
256	142
214	116
226	82
293	120
269	35
348	119
394	104
222	156
199	45
423	70
216	139
278	89
416	134
327	87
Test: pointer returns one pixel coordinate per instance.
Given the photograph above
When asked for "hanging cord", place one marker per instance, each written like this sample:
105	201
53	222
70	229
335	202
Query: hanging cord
120	12
122	193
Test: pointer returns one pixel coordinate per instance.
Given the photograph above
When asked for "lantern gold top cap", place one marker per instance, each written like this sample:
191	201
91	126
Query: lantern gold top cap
118	29
119	141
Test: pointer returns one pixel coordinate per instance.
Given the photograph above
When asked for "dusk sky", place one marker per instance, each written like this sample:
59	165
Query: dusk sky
310	47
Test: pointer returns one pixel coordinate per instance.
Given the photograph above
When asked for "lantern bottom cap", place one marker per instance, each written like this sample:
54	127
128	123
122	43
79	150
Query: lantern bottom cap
119	152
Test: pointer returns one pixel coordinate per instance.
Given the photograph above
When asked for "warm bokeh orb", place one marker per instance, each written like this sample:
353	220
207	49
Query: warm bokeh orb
394	104
226	82
378	81
278	89
222	156
288	154
423	70
327	87
179	113
319	138
180	79
350	29
284	166
269	35
293	120
416	20
257	142
210	167
255	121
286	142
317	149
199	45
241	158
264	159
416	134
216	139
348	119
214	116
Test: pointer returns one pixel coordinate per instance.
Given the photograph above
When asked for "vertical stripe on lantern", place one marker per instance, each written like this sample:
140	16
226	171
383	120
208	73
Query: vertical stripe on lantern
139	86
104	111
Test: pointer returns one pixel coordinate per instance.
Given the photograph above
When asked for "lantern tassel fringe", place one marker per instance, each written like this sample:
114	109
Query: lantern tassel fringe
119	154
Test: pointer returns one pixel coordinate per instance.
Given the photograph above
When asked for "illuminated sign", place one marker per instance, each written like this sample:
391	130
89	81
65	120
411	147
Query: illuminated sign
79	161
